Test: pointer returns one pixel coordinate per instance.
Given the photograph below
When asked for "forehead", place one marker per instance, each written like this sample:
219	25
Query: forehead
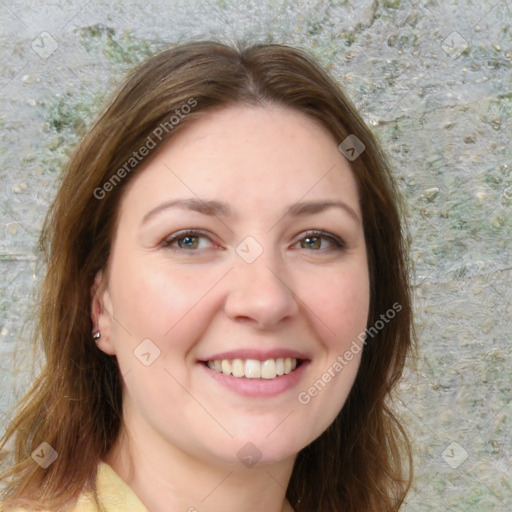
250	156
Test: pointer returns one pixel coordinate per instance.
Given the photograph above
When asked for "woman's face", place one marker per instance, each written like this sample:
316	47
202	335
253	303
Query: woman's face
251	283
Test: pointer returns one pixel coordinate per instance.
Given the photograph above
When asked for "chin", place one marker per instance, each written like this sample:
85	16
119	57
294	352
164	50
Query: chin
253	451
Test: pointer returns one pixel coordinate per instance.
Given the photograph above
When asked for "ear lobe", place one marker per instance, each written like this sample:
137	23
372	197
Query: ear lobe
101	313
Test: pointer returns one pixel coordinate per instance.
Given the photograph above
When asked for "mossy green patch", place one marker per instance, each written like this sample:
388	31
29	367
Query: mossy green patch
124	48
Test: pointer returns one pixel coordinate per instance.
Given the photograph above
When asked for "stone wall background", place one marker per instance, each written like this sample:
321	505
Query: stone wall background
431	78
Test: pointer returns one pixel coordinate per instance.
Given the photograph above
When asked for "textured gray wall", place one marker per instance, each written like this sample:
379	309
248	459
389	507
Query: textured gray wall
433	80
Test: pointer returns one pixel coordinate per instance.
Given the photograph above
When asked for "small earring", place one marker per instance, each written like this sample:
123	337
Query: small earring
96	335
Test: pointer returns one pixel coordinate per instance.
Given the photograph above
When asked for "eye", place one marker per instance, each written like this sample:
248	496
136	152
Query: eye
187	240
313	240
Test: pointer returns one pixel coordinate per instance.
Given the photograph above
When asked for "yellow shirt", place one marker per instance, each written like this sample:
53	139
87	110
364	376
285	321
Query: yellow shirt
113	493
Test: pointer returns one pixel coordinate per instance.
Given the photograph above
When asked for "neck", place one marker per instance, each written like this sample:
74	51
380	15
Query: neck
169	479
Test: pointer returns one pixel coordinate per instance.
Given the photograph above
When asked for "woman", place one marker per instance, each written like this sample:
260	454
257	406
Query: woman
226	307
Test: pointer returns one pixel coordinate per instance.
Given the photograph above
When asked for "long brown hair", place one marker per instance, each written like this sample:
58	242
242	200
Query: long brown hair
357	464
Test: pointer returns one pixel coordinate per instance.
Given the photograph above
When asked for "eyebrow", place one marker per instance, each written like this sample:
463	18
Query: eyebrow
221	209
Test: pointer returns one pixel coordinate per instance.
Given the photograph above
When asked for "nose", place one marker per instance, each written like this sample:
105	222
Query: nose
261	293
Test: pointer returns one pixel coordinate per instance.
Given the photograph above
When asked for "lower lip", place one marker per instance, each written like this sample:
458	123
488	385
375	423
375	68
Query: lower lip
258	387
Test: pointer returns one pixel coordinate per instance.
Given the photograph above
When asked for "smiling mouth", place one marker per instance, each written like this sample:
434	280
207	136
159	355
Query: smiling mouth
254	369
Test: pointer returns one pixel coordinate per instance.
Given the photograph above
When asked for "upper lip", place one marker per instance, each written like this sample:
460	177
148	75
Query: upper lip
259	355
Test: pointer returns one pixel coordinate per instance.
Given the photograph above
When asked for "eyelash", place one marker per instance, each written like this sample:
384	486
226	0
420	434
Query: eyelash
338	243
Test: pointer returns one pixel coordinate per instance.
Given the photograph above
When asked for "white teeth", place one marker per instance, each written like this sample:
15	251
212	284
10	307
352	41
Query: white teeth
280	366
237	368
254	369
268	369
226	367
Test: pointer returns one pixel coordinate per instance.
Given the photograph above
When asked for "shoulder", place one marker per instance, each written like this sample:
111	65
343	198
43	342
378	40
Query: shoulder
113	495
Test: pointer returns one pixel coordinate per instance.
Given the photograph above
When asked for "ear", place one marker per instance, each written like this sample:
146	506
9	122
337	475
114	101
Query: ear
102	313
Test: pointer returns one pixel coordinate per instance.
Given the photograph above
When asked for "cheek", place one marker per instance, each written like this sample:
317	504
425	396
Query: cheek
143	302
340	303
158	300
341	306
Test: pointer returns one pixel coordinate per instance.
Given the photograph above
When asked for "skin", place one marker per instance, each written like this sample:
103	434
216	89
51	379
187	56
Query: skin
182	430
